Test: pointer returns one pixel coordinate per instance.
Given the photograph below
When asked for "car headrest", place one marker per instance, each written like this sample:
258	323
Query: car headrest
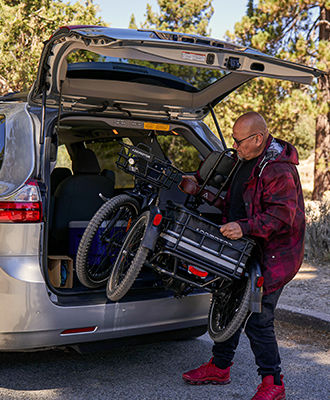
57	176
85	162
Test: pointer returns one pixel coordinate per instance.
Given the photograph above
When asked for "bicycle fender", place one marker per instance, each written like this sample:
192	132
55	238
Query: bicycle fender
256	292
152	231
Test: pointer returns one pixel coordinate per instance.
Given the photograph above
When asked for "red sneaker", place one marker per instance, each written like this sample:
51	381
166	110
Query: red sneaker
208	373
268	391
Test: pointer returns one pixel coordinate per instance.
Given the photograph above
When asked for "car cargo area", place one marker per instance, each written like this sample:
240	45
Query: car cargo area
86	175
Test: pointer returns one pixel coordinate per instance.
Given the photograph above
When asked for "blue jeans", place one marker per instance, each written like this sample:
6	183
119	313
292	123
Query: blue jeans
260	331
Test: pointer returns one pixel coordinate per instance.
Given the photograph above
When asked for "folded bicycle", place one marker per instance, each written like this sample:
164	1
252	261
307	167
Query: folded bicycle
187	250
105	232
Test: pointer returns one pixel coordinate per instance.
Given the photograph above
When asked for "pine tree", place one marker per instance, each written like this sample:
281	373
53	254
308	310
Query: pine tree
322	137
192	16
24	26
292	30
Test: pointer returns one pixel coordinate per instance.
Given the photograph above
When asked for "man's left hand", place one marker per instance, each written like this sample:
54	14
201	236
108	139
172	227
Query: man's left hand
232	230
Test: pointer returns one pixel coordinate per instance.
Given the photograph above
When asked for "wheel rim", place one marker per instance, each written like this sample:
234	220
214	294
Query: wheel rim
226	306
107	242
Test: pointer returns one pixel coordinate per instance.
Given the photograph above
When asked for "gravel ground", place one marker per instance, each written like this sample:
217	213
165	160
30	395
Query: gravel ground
153	372
309	290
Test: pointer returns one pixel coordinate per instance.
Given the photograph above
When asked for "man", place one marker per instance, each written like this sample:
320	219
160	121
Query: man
264	201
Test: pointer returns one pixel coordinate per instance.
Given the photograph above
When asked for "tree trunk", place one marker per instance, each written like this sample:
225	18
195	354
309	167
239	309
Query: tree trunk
322	136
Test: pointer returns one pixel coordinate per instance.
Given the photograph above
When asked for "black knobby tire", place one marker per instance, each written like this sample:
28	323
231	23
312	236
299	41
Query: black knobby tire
130	260
103	238
228	310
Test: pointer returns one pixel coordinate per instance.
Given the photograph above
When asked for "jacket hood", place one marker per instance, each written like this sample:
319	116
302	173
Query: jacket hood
278	150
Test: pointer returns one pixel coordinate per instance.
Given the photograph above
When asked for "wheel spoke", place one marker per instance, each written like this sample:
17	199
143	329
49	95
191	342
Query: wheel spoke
109	242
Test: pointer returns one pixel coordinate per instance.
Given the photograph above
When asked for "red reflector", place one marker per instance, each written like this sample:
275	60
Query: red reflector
79	330
260	281
198	272
31	182
157	220
20	212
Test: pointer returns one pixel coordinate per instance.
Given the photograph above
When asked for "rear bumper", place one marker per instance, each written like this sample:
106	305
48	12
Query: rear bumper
30	318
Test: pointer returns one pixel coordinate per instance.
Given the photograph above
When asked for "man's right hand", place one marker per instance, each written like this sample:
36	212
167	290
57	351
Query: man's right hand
191	177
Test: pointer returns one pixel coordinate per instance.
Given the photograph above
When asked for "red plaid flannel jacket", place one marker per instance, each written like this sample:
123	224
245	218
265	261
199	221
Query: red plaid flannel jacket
275	213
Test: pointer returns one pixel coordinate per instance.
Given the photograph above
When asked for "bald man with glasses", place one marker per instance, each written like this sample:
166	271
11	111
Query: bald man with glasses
264	201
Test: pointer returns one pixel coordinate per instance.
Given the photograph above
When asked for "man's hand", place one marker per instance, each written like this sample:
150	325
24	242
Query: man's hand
232	231
191	177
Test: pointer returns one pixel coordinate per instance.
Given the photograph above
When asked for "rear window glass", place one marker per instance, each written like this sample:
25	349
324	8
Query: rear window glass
2	138
182	154
88	65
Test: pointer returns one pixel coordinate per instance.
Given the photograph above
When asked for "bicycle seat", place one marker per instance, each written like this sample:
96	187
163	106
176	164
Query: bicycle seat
190	187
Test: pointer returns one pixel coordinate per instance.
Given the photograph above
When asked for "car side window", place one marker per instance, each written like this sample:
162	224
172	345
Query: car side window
63	157
182	154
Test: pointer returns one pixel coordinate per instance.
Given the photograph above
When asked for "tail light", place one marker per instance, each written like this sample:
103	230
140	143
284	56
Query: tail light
23	206
197	271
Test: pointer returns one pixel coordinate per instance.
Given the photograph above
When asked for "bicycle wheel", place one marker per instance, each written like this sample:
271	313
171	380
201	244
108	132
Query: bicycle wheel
129	261
229	309
102	240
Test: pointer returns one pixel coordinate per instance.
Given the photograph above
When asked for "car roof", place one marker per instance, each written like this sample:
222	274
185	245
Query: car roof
110	87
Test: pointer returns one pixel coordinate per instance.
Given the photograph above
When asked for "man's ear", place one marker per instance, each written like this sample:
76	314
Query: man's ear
259	139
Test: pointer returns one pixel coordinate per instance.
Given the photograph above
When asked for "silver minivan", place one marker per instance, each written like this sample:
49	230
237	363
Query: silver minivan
97	87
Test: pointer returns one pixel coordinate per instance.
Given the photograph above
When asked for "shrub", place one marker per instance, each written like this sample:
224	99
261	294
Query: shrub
317	245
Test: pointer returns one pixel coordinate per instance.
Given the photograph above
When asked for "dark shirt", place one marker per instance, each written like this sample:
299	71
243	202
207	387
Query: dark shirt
236	205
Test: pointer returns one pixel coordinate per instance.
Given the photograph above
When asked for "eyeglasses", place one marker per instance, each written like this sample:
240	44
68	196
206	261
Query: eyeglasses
238	142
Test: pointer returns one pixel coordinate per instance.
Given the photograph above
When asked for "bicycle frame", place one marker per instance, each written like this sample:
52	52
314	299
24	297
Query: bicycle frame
182	245
177	256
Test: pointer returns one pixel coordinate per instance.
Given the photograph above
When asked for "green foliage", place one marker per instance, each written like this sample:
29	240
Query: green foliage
107	155
187	17
84	56
25	26
63	157
176	148
180	152
181	16
317	245
288	30
287	110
